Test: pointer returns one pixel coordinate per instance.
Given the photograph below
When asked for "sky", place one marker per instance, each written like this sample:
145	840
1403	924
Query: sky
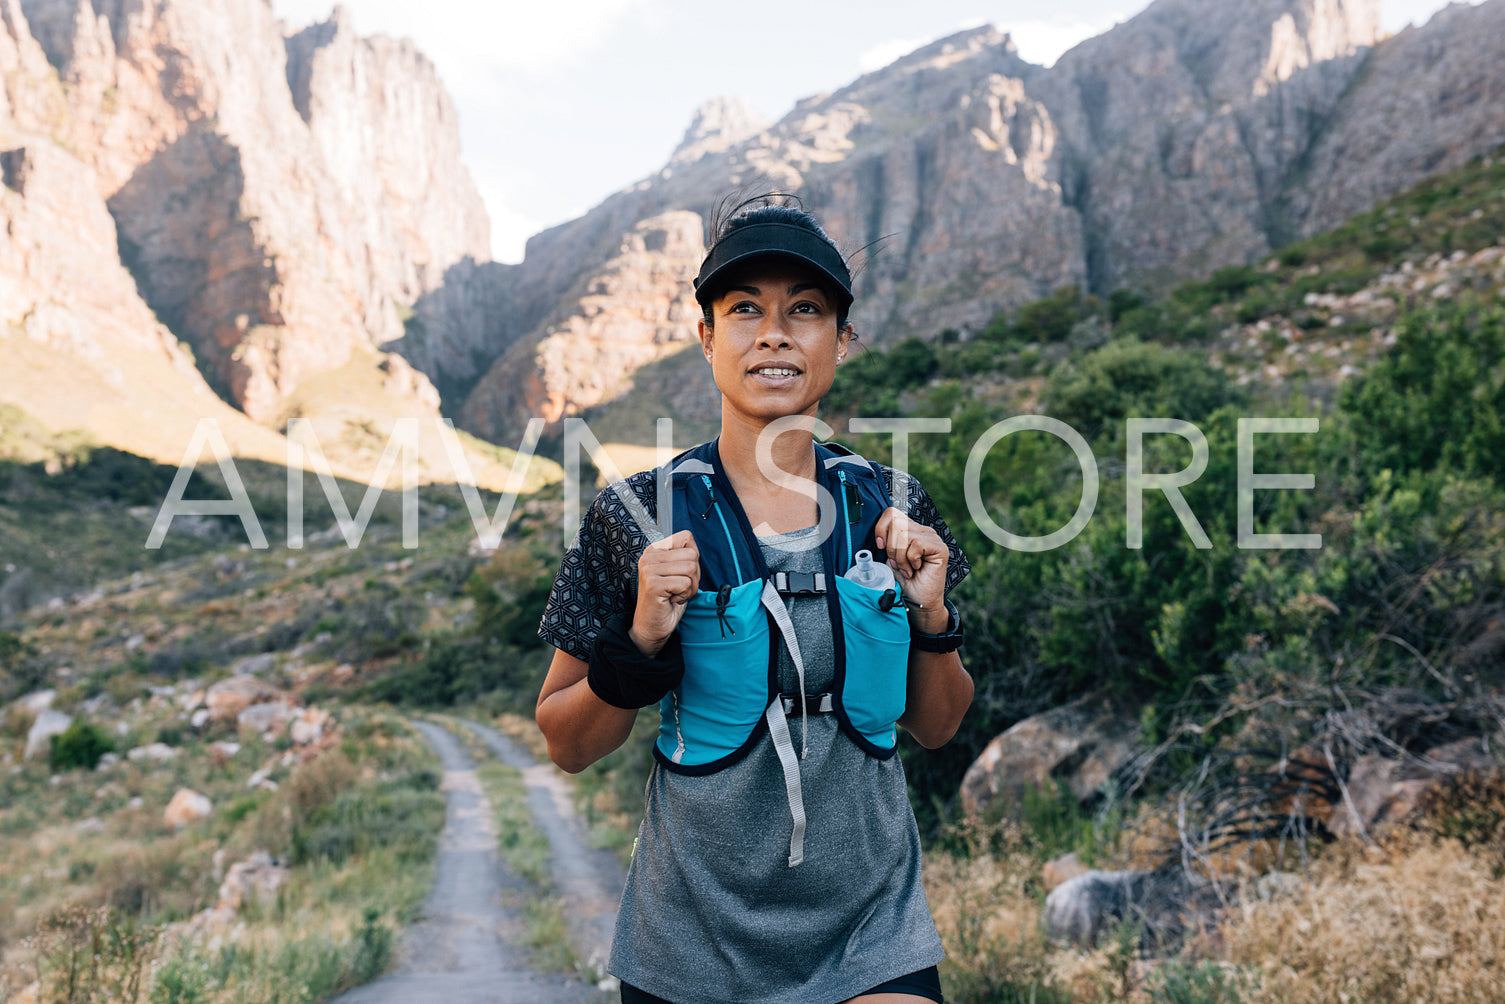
563	102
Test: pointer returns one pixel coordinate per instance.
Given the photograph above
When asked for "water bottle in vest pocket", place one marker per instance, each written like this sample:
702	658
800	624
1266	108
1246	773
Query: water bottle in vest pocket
875	629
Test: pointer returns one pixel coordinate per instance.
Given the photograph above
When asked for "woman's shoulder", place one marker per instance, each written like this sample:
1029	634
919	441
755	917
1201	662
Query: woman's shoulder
921	508
627	509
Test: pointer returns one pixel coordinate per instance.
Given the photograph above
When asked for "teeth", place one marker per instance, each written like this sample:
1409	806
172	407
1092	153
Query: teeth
777	372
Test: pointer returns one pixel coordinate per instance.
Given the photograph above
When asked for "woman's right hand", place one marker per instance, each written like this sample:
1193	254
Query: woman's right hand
668	576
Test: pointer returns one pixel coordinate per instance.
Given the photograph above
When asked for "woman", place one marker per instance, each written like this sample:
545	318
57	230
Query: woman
778	859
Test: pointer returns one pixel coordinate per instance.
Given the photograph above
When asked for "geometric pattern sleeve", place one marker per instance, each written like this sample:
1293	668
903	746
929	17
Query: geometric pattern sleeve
598	575
922	509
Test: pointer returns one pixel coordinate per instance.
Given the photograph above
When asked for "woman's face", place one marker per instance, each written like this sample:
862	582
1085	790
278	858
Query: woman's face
775	343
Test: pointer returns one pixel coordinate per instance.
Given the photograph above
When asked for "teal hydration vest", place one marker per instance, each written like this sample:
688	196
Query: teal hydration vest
730	695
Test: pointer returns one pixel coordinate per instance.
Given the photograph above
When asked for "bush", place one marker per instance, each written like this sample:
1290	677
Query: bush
92	956
1132	379
81	744
1206	982
1051	319
1438	396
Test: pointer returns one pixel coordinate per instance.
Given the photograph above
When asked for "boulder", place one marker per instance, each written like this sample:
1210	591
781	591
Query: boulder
262	717
1080	909
48	723
1081	744
1384	790
262	779
309	726
228	698
1061	870
221	753
1166	905
186	807
158	752
258	877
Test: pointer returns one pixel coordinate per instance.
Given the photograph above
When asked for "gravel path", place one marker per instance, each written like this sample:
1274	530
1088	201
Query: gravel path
464	950
590	880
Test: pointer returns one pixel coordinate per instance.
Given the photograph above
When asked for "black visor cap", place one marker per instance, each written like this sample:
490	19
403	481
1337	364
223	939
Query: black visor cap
784	240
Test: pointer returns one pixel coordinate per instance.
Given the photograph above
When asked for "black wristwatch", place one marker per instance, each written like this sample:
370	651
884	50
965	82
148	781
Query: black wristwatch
948	640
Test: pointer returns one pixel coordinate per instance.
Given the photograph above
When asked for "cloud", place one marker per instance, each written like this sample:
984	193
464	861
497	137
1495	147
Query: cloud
1396	14
1043	40
878	56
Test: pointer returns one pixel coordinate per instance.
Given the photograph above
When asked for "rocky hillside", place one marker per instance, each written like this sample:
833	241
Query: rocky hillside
201	208
207	214
1196	135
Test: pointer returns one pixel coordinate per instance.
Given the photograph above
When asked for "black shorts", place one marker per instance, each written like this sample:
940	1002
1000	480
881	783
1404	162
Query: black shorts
924	983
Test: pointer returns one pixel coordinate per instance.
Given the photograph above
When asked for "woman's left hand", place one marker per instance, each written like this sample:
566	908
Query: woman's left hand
919	558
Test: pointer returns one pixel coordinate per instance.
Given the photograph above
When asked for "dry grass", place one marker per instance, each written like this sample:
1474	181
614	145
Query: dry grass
1419	916
986	899
1412	919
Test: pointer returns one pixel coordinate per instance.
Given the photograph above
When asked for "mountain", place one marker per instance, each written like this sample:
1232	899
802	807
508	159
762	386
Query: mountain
204	213
1198	134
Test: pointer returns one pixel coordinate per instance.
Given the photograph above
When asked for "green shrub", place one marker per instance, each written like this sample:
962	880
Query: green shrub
1438	396
81	744
373	952
1181	982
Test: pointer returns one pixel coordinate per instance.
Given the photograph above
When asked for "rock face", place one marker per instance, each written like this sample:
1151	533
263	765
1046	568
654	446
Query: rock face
1429	100
718	125
199	205
1081	745
633	310
279	201
1197	134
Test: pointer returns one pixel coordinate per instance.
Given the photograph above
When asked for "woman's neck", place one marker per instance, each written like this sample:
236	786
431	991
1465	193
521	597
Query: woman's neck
771	479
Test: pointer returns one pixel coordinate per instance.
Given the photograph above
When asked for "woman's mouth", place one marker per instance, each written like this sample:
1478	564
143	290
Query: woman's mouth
775	373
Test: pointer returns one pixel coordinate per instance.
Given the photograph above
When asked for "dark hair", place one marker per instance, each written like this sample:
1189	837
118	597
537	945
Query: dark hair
771	207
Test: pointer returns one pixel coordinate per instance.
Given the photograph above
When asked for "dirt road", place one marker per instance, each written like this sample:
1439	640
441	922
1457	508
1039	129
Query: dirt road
464	950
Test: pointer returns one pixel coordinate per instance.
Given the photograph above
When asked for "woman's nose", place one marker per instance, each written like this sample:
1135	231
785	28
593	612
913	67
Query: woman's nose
772	334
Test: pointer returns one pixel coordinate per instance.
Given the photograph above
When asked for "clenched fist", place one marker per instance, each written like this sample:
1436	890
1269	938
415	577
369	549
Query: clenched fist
668	576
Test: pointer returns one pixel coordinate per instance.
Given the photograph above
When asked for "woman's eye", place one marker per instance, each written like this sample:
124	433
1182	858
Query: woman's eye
745	307
807	308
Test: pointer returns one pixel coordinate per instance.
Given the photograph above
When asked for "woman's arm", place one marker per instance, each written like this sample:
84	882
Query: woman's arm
579	726
940	691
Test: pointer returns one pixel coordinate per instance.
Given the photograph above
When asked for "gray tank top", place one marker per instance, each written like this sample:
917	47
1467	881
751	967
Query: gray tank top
713	914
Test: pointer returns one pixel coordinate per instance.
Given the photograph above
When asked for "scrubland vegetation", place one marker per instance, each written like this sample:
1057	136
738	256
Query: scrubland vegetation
1389	331
104	900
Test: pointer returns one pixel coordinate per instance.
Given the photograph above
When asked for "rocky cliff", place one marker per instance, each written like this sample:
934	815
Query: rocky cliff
966	180
203	216
280	201
637	308
264	210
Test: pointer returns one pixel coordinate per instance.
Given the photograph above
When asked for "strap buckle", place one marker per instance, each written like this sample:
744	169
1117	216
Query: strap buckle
800	583
818	704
